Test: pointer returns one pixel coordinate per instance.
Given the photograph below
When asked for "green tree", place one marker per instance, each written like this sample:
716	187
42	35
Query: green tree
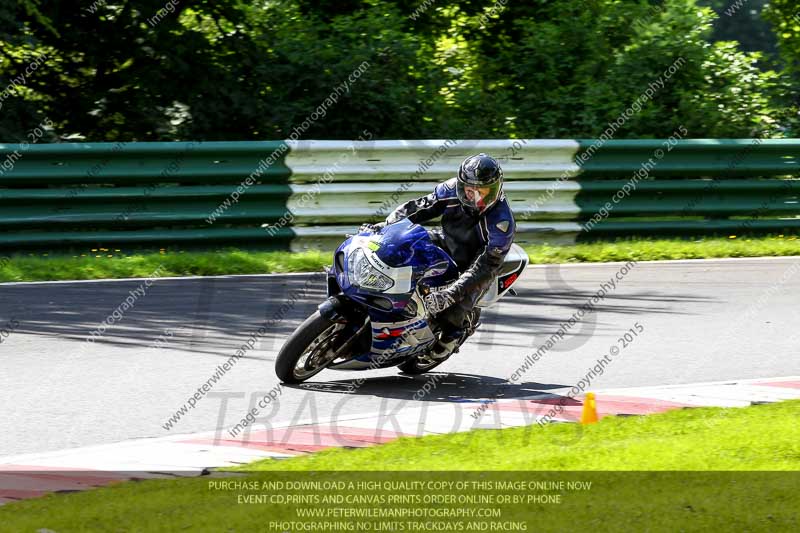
566	70
238	70
784	16
742	21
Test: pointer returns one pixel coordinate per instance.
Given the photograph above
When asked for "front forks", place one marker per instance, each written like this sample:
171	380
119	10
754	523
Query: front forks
346	349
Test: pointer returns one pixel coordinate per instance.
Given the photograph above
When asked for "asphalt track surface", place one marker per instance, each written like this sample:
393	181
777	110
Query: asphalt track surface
702	321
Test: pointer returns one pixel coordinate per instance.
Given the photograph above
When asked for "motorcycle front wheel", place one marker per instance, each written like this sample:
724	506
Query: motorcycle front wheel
309	350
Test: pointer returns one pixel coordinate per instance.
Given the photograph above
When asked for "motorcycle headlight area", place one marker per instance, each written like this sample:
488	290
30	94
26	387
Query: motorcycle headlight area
363	274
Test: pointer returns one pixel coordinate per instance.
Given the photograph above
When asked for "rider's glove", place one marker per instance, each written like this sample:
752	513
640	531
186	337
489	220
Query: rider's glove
374	228
436	302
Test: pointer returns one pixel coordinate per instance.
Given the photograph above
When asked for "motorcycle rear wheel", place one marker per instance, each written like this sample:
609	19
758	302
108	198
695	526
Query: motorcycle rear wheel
415	367
306	352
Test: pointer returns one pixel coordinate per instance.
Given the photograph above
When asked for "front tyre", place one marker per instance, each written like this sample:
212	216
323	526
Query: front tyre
308	350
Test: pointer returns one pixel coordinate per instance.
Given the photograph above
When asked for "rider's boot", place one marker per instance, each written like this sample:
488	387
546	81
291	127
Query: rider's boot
447	344
452	338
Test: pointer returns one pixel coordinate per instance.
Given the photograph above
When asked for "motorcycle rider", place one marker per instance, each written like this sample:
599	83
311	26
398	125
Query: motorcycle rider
477	230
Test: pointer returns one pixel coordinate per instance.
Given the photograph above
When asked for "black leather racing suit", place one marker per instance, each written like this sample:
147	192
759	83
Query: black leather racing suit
478	244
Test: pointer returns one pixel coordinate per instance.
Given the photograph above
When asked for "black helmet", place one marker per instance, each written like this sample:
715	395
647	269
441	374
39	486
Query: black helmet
480	183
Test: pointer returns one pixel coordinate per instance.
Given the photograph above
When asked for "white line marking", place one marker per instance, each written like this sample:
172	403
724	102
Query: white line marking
294	274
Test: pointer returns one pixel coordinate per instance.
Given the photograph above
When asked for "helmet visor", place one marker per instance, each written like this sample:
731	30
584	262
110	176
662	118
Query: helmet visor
478	197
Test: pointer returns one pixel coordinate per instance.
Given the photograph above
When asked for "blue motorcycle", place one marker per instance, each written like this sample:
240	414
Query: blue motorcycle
374	316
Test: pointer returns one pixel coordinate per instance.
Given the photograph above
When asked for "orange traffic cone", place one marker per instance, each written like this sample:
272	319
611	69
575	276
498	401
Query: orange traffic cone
589	414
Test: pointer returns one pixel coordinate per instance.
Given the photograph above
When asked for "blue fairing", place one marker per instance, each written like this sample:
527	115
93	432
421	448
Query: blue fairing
400	245
400	241
406	244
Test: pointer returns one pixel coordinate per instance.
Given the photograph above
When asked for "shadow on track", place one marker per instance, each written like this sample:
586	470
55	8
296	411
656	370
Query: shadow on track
217	315
445	387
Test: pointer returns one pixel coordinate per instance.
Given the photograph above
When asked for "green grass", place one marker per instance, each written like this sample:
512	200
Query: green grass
764	437
688	439
111	265
103	263
666	249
